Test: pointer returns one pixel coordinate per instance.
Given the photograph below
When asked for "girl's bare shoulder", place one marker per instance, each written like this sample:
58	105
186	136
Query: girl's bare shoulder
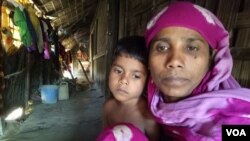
109	104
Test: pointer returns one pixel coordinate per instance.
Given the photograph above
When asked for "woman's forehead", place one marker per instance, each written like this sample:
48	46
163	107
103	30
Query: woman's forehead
186	14
174	33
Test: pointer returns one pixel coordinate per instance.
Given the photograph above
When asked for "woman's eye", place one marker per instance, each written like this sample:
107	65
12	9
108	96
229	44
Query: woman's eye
162	47
192	48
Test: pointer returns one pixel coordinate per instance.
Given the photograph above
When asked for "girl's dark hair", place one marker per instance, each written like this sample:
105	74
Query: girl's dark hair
133	46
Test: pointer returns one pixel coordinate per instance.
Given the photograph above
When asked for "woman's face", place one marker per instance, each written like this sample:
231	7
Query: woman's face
178	60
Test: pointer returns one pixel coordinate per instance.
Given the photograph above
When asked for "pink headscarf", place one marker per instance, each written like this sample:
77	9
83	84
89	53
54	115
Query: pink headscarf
200	116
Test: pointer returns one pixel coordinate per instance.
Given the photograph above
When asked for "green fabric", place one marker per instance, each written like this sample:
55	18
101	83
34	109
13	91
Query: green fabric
20	21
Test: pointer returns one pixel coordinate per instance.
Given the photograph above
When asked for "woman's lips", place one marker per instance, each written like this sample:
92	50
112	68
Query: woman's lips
175	81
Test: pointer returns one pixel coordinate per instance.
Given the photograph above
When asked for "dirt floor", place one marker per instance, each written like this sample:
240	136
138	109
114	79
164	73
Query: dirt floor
75	119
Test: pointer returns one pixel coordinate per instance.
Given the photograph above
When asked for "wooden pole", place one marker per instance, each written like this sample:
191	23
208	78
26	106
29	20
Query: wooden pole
1	69
65	65
85	73
27	80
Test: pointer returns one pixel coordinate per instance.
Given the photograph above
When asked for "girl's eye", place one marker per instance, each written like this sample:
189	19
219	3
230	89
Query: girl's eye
117	70
135	76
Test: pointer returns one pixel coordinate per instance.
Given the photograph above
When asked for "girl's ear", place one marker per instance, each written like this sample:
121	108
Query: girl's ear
148	66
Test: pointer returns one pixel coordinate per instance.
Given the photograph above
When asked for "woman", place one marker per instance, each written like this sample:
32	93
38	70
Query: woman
191	91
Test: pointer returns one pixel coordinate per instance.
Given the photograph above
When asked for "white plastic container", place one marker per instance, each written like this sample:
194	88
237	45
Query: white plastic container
63	91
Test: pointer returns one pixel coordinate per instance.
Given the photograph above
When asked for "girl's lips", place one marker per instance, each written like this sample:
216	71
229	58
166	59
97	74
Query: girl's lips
122	91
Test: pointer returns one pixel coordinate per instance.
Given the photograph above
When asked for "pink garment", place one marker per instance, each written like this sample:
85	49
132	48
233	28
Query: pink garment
218	99
122	132
46	52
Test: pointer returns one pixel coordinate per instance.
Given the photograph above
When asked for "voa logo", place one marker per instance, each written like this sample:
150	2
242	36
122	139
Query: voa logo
236	132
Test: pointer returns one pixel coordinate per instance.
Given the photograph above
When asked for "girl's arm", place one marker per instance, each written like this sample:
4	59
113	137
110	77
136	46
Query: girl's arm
152	130
107	108
104	120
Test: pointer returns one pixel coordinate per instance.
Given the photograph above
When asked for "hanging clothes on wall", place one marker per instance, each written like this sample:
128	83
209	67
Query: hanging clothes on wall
7	41
21	18
45	28
16	4
53	38
26	14
31	29
20	21
36	26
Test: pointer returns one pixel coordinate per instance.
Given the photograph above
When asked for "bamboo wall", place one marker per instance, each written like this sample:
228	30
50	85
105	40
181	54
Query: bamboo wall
102	39
99	46
1	71
241	44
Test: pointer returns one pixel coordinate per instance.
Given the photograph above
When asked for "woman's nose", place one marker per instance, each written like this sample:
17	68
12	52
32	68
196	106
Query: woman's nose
175	59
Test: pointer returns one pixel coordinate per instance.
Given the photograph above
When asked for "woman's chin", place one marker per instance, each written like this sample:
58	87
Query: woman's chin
173	95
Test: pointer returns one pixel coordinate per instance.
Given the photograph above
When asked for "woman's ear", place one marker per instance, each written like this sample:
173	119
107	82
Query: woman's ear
212	55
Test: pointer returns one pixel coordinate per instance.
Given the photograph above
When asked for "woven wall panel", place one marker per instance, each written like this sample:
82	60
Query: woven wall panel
246	5
243	19
140	12
2	85
227	12
241	69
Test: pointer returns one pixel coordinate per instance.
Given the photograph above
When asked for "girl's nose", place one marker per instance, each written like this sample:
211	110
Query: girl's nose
123	80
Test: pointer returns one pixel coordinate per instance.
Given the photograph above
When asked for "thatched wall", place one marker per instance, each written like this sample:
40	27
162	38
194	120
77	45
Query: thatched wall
14	70
103	37
1	71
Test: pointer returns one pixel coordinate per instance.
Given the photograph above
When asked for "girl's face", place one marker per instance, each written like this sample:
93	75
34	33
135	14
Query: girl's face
178	61
127	78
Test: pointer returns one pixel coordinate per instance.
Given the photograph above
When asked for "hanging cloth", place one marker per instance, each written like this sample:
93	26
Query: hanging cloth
20	21
36	25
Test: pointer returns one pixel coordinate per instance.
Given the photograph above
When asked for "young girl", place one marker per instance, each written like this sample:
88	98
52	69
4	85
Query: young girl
127	108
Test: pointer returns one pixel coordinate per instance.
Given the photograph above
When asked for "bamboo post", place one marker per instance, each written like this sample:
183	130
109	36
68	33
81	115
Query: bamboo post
27	80
1	70
65	65
85	73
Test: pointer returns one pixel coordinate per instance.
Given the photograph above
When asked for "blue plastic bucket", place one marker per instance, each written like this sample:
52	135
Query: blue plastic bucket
49	94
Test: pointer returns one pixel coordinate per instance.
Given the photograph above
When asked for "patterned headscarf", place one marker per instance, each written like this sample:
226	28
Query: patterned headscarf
218	99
